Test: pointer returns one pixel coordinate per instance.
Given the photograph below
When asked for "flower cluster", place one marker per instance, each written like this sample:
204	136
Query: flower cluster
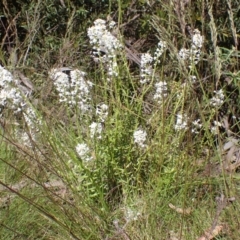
33	123
159	51
5	76
102	111
161	91
218	99
193	78
184	53
10	95
83	152
147	61
102	39
181	123
193	54
73	89
215	128
197	39
197	126
96	130
146	68
31	118
103	42
140	137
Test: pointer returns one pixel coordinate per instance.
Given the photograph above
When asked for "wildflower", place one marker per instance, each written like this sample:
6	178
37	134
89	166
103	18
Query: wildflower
10	95
101	38
184	54
27	137
196	126
16	99
159	51
83	152
161	91
102	111
193	54
215	127
218	99
197	39
146	68
181	123
5	76
193	78
73	89
103	41
140	137
197	43
31	118
96	130
112	24
3	97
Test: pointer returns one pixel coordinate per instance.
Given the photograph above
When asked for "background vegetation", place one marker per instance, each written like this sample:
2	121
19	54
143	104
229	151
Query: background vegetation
183	185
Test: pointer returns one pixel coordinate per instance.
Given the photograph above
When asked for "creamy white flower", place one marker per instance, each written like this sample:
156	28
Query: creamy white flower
197	39
181	123
218	99
196	126
102	111
161	91
101	38
140	137
159	51
193	78
146	68
215	128
5	76
104	42
3	97
112	24
32	120
146	59
193	54
96	130
83	152
10	95
184	53
74	89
